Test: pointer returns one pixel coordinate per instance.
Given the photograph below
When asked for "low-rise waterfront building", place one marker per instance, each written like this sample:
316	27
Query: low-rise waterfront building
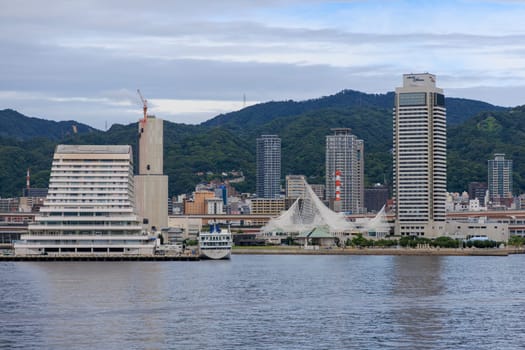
480	227
190	226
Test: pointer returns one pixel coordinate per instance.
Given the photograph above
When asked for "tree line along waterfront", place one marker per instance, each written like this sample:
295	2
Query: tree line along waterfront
439	242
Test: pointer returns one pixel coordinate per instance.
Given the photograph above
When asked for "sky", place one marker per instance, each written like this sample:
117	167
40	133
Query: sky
192	60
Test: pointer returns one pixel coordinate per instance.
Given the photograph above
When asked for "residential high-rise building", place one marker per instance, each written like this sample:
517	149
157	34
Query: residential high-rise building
90	205
420	156
268	166
151	184
499	178
344	160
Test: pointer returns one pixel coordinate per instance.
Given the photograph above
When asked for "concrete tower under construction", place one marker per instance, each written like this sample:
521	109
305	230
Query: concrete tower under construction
151	185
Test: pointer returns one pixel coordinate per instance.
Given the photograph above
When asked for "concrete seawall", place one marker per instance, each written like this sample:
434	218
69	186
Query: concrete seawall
379	251
100	258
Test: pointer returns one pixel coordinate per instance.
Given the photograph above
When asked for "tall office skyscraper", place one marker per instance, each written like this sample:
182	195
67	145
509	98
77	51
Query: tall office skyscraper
268	166
344	171
420	156
499	178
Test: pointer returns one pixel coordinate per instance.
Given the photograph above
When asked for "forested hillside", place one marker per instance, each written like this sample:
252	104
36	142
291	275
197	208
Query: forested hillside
18	126
195	153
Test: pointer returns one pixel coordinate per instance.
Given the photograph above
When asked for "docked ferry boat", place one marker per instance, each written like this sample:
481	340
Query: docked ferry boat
215	244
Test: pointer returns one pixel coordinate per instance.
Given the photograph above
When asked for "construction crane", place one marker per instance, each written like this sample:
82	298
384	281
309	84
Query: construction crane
144	104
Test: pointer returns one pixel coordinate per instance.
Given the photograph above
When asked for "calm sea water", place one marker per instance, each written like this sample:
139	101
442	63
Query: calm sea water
266	302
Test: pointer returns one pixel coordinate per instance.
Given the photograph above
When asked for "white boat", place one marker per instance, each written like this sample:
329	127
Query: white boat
215	244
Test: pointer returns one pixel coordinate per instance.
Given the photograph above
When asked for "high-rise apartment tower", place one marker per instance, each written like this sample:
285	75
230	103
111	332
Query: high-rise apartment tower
499	178
268	166
420	156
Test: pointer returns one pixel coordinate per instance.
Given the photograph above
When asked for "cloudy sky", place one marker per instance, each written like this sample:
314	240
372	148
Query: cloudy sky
84	60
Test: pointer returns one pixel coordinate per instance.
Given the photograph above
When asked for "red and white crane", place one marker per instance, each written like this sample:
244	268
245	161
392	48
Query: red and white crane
144	104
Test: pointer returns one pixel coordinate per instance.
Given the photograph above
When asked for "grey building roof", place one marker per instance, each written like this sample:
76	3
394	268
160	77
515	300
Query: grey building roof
94	149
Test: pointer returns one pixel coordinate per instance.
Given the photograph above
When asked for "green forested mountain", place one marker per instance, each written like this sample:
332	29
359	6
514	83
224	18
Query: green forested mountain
250	118
474	142
18	126
227	142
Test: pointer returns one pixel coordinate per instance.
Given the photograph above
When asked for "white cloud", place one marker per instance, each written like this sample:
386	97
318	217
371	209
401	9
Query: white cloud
194	111
193	59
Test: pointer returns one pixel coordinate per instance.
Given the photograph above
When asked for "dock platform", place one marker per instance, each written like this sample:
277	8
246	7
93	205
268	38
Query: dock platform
99	258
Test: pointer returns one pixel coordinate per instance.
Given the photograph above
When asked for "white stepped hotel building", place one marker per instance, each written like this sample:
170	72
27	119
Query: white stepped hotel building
90	206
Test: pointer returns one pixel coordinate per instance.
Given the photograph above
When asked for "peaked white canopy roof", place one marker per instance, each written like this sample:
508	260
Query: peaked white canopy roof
307	213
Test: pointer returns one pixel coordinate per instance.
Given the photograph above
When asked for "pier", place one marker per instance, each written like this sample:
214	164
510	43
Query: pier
99	257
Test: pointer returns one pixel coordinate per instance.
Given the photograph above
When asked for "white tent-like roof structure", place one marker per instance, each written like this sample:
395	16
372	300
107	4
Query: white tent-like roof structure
379	223
307	213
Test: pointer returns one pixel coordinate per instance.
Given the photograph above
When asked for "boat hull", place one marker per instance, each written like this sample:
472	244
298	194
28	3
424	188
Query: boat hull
215	254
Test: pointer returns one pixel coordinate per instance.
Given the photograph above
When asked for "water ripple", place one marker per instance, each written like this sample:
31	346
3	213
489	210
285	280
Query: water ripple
266	302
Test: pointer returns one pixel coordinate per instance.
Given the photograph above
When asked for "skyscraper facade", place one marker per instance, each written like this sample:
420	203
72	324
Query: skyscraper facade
268	166
420	156
499	178
344	171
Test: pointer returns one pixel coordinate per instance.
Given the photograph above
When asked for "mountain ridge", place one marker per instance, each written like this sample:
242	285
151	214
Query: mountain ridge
227	142
18	126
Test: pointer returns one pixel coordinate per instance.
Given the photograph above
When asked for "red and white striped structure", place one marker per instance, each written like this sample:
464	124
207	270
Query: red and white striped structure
338	185
28	179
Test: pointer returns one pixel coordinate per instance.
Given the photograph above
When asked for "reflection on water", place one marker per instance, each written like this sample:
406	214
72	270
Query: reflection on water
416	288
266	302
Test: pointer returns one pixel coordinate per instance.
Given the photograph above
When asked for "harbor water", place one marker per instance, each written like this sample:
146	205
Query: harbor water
266	302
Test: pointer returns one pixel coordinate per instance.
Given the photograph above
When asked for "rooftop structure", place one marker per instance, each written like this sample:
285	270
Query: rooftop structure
307	213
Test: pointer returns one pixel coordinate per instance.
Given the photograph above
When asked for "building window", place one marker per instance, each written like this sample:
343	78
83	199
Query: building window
413	99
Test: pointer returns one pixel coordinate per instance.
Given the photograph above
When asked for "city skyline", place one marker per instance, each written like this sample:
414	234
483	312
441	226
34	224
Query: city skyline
196	60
